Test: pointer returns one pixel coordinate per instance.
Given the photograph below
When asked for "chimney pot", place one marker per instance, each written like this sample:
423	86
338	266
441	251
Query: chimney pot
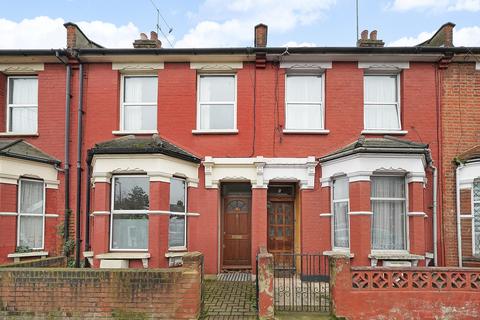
143	36
364	35
373	35
153	35
261	33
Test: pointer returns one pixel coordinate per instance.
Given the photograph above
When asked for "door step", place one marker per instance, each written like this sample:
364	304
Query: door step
235	276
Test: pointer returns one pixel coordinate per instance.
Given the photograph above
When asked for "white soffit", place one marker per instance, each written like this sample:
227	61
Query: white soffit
260	171
359	167
216	66
21	68
12	169
305	65
142	66
384	66
467	173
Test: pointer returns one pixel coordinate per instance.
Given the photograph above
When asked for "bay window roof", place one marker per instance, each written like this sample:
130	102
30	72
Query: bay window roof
18	148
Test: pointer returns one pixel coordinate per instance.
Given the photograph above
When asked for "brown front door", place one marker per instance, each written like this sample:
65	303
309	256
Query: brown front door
236	232
280	227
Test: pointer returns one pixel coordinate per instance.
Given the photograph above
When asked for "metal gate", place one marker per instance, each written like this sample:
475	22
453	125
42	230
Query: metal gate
301	282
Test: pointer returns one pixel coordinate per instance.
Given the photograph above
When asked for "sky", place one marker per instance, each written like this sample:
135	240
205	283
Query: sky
215	23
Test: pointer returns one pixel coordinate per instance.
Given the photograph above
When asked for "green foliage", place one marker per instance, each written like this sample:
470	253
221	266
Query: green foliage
68	247
23	249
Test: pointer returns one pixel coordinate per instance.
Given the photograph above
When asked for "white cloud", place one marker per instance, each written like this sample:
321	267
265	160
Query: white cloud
299	44
450	5
467	37
45	33
231	23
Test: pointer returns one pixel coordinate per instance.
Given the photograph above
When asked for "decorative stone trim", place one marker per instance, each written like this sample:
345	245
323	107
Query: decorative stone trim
51	215
8	214
12	169
360	213
384	66
416	177
144	256
160	177
304	65
16	68
384	132
146	66
359	176
100	213
398	256
463	216
414	214
327	215
89	256
216	66
294	131
17	256
192	183
339	254
124	133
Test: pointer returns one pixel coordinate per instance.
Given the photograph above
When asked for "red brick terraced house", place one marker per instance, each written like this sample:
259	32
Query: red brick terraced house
146	153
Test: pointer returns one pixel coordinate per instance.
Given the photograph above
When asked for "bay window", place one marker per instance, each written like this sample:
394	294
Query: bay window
476	218
304	102
139	103
381	102
217	103
388	199
22	104
129	219
178	210
340	213
31	214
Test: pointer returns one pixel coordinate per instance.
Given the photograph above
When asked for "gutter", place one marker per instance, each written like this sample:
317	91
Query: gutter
95	151
377	150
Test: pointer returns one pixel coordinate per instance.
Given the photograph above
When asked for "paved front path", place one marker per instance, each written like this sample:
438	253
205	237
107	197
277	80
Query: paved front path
229	300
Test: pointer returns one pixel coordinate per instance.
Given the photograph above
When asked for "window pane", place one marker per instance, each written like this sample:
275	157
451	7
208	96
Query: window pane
217	88
140	89
380	89
388	226
23	91
217	117
388	187
304	116
340	188
381	117
140	118
340	225
176	231
177	195
31	232
130	231
23	119
31	197
131	193
476	228
304	88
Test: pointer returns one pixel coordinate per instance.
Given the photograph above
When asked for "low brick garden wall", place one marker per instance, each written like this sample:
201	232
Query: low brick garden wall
51	293
52	262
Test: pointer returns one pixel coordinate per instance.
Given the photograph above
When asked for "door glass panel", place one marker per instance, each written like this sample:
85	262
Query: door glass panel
287	219
280	232
271	232
280	219
271	219
288	232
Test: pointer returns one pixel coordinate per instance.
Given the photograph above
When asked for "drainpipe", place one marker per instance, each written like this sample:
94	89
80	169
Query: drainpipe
79	165
435	204
87	207
459	238
67	150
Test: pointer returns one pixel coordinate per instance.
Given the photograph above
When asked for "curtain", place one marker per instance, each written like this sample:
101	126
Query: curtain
304	116
23	91
24	105
31	203
217	116
23	119
389	221
139	91
130	231
176	231
340	213
217	88
304	102
381	102
476	217
31	197
31	232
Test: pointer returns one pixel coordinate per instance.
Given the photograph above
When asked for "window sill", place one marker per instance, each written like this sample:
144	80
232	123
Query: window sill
18	134
123	255
175	254
18	255
123	133
227	131
383	132
339	254
392	255
299	131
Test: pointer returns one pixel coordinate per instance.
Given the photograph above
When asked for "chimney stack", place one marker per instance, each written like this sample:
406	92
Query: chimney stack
371	42
144	42
261	32
442	38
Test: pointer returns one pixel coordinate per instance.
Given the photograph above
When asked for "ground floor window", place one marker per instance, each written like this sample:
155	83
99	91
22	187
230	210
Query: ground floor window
340	213
476	217
129	220
178	209
31	214
388	199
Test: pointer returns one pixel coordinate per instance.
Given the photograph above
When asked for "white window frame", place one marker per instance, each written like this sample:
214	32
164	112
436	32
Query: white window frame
321	102
199	104
407	231
21	214
474	252
333	201
10	106
126	212
184	247
398	103
123	103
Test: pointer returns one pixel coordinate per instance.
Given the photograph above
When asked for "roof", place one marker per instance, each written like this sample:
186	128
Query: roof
133	145
20	149
387	144
470	154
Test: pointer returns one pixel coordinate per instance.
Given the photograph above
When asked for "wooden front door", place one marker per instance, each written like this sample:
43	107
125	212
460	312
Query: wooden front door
281	225
236	233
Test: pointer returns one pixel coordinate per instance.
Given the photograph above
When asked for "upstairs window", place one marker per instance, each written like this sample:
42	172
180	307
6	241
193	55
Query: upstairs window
340	213
304	102
139	103
217	102
129	222
178	211
22	113
31	214
389	231
382	105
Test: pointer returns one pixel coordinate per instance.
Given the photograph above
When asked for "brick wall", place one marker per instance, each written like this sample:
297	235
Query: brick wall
87	293
52	262
460	132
